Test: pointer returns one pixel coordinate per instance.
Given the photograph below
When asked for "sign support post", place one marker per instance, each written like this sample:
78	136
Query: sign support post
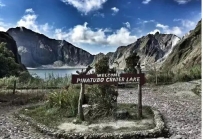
82	92
139	107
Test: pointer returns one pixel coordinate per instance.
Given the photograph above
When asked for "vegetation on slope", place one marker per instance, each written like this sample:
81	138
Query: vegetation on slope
184	62
8	66
187	53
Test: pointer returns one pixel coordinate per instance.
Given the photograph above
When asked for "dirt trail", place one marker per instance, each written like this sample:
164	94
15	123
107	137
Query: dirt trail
11	128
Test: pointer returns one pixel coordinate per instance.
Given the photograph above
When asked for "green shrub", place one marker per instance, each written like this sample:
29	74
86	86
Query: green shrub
196	72
9	67
102	66
102	95
179	76
197	90
188	74
104	101
24	76
65	99
162	77
131	62
8	81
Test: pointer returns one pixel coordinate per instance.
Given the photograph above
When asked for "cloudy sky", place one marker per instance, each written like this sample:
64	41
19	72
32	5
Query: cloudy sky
100	25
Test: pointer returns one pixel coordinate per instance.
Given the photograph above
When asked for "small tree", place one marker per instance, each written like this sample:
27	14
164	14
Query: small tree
102	66
107	94
131	62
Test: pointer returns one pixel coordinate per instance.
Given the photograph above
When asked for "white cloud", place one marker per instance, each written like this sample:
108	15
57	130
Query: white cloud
162	26
2	4
148	21
121	37
3	29
143	22
99	14
186	23
29	10
29	21
182	1
4	26
174	30
154	31
146	1
127	24
85	6
115	10
46	27
81	34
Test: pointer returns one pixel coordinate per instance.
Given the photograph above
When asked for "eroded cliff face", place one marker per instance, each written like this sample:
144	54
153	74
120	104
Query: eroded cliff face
151	48
37	49
187	53
11	45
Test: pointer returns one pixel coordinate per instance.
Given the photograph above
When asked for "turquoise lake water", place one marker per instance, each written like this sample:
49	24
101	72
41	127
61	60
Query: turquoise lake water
44	73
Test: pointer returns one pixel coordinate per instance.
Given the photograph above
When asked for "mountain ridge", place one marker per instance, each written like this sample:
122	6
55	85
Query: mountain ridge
152	48
37	50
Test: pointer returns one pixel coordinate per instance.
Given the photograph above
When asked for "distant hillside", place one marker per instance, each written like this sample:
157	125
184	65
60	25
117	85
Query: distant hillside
37	50
150	48
187	53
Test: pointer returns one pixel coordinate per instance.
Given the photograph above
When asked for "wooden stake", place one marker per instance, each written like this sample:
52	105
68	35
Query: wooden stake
139	107
82	92
80	102
14	87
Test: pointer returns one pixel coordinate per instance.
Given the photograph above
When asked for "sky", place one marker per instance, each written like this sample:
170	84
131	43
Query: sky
101	25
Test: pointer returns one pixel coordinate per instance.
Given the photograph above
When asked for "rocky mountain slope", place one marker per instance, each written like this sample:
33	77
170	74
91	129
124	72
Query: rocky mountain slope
37	50
11	45
150	48
187	52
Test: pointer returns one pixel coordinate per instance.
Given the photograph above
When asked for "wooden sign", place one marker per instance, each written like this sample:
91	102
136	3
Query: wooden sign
108	78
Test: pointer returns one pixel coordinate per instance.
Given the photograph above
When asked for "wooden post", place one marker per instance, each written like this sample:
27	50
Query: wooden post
82	92
139	107
14	87
155	73
80	102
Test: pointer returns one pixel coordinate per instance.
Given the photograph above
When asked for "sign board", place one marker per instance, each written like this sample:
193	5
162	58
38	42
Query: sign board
108	78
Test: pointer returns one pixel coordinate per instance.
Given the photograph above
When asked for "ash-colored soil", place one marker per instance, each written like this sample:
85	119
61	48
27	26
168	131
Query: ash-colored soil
181	111
116	127
180	107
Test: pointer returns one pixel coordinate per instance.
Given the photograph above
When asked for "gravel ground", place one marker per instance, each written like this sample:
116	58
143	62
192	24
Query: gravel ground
11	128
181	112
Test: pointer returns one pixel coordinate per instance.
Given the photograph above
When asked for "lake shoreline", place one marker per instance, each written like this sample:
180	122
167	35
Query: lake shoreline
55	68
58	68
